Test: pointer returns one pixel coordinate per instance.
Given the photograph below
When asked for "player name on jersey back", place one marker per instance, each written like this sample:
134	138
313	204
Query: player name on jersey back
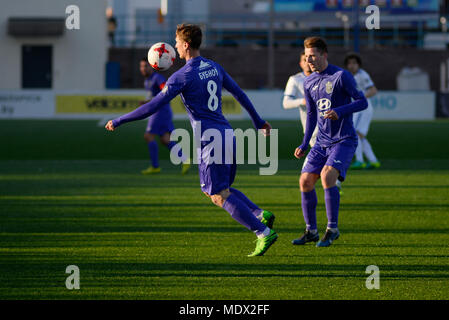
208	74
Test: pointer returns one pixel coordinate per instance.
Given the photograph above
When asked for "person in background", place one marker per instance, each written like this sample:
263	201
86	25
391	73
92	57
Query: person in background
112	25
294	94
362	119
160	123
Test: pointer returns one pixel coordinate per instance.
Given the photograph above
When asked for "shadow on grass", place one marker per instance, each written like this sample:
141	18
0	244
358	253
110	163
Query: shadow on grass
345	186
121	203
108	204
106	270
75	225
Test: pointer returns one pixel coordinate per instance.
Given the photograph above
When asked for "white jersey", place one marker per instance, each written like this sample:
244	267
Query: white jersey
363	118
363	81
294	92
294	98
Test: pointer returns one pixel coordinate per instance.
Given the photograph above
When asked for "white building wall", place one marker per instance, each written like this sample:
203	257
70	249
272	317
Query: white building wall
193	11
79	56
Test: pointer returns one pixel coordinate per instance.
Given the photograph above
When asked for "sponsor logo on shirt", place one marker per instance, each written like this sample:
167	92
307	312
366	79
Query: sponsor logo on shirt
324	104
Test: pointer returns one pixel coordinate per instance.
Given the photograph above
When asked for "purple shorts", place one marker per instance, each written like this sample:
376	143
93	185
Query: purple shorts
161	122
338	156
215	177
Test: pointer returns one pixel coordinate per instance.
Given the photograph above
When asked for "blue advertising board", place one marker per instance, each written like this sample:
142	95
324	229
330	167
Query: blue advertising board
392	6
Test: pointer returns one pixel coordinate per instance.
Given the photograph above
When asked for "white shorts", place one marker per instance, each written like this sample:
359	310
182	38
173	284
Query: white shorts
362	120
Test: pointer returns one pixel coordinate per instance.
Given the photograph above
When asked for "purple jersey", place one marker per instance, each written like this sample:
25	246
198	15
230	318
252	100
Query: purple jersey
162	121
154	83
332	89
199	83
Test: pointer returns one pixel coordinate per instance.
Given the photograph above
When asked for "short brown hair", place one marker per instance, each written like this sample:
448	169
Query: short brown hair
355	56
316	42
191	34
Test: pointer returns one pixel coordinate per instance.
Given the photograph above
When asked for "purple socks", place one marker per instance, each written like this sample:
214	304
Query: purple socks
154	153
332	199
308	203
240	212
251	205
153	149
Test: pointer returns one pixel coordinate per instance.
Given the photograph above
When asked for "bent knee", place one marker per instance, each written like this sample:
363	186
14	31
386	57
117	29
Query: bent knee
217	199
165	139
220	198
148	137
329	177
307	183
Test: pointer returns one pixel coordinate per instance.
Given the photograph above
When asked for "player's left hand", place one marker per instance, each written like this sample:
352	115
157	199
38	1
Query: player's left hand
331	114
109	126
266	129
299	153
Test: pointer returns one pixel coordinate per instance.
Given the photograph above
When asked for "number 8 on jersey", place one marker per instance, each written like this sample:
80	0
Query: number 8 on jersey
212	103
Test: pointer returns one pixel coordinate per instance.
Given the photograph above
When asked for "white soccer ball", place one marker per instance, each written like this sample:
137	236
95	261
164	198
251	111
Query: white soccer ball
161	56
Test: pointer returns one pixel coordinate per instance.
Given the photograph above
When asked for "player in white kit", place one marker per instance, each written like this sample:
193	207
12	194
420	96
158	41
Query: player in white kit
294	95
362	119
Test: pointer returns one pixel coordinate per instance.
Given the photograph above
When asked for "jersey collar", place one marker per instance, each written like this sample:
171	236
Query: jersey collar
193	59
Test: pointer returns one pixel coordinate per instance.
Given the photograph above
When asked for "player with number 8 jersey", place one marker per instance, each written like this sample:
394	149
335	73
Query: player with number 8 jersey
199	83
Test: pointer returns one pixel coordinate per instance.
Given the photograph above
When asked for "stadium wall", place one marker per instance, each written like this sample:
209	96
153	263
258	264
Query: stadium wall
107	104
248	65
78	56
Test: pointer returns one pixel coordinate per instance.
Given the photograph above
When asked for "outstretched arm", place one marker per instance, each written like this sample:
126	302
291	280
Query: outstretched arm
172	89
143	111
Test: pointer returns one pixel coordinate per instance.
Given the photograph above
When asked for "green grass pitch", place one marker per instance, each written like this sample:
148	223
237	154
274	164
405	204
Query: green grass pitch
72	194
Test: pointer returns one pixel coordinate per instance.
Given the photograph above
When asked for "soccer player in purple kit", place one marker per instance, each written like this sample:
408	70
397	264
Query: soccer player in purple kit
200	83
160	123
332	97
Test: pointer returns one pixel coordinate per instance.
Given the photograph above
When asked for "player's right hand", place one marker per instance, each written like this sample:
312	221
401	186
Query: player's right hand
299	153
109	126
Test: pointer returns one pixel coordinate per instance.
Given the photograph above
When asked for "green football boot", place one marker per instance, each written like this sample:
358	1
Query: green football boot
373	165
151	170
268	218
263	244
185	167
358	165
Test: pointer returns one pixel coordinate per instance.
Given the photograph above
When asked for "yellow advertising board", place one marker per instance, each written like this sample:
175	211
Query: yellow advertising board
97	103
123	104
